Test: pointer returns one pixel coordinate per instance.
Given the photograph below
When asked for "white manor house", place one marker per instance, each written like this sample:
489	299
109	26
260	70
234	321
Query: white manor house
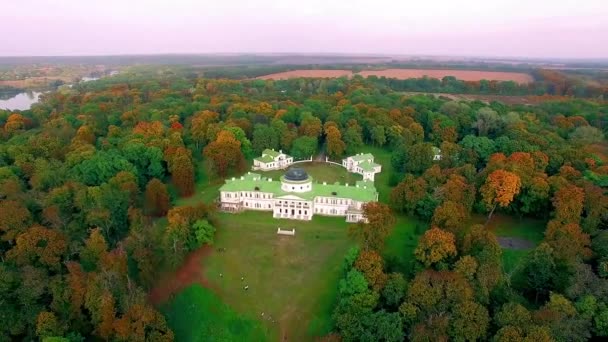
363	164
296	196
272	160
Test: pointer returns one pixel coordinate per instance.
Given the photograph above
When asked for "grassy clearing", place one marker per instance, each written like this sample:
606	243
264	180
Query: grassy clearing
509	226
512	257
197	314
399	247
523	228
320	172
291	279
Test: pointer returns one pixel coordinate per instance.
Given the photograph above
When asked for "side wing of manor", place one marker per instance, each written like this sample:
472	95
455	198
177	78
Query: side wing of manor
296	196
272	160
363	164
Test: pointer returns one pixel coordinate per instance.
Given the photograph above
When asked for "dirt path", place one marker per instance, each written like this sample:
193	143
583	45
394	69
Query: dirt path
514	243
190	272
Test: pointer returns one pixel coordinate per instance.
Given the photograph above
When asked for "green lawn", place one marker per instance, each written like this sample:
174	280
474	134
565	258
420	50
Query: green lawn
206	190
509	226
399	246
291	279
511	258
197	314
320	172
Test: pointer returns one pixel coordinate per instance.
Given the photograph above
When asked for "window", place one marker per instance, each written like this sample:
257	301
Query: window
300	212
305	212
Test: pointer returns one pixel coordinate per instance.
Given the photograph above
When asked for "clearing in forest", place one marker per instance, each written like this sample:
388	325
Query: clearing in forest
292	280
464	75
516	236
324	73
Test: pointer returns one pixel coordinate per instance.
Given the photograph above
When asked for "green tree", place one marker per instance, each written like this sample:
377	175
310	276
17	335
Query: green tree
304	147
264	137
203	232
394	290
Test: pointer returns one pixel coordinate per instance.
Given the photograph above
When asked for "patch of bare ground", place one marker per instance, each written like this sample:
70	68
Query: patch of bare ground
325	73
514	243
465	75
190	272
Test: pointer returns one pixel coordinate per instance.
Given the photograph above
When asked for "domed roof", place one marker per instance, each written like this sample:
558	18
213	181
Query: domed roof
296	174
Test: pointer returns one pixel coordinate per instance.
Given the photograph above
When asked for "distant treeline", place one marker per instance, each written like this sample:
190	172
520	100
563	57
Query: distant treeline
8	92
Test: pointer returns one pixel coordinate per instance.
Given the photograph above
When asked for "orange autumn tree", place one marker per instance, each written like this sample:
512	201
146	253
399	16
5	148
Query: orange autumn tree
224	154
370	263
450	216
568	240
335	145
14	219
182	171
156	198
499	189
568	202
200	124
380	221
39	245
435	246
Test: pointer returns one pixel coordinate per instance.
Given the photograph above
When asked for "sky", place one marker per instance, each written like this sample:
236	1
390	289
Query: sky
497	28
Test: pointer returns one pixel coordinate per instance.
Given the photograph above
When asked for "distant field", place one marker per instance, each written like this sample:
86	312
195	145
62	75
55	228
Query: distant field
306	73
33	81
465	75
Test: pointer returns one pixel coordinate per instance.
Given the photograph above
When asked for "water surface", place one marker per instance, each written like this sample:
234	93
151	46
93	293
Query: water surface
21	101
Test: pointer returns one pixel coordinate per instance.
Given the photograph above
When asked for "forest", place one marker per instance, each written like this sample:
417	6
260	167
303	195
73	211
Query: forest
91	180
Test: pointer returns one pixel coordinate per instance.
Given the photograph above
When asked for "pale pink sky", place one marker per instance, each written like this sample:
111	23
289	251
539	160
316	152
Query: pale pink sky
511	28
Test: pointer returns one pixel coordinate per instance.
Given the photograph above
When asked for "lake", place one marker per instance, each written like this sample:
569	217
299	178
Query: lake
21	101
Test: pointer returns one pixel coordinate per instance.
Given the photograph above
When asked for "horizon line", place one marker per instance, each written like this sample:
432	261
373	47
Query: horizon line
317	54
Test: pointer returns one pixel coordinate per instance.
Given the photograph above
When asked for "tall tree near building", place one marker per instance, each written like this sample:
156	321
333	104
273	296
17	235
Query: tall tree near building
182	171
380	222
335	145
224	154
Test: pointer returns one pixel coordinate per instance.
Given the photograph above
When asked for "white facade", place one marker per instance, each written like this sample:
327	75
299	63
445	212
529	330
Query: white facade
297	199
362	164
436	153
272	160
